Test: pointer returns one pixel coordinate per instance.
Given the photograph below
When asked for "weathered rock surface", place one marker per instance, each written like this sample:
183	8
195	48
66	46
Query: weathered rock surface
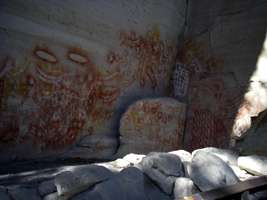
47	187
129	184
254	164
24	193
79	179
226	155
122	163
209	171
187	169
152	125
156	176
52	196
185	156
4	194
240	173
69	100
261	195
163	169
134	159
184	187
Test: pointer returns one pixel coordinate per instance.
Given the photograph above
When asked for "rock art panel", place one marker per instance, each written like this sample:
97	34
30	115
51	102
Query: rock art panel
152	125
213	98
62	78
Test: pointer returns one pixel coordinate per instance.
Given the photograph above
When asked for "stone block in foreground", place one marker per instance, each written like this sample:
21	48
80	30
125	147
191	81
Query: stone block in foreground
152	125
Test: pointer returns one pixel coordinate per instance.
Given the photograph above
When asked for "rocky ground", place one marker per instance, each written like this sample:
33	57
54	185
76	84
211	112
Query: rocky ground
158	175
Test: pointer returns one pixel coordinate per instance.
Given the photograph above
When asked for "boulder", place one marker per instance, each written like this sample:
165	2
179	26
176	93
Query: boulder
163	169
209	171
254	164
152	125
129	184
226	155
183	187
79	179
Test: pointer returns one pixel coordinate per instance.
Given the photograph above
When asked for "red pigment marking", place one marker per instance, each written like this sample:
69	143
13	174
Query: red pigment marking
151	54
52	127
45	54
206	130
78	55
113	57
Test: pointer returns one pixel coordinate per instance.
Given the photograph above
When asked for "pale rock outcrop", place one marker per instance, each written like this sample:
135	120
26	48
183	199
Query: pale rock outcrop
254	164
228	156
209	171
185	156
240	173
134	159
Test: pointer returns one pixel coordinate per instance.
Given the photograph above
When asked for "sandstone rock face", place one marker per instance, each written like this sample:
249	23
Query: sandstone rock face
209	171
254	164
65	80
152	125
163	169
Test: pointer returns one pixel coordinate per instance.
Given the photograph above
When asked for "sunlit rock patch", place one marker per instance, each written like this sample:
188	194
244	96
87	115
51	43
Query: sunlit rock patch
157	175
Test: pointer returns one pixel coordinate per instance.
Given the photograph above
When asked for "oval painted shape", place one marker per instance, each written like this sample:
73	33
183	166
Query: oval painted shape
78	58
46	56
